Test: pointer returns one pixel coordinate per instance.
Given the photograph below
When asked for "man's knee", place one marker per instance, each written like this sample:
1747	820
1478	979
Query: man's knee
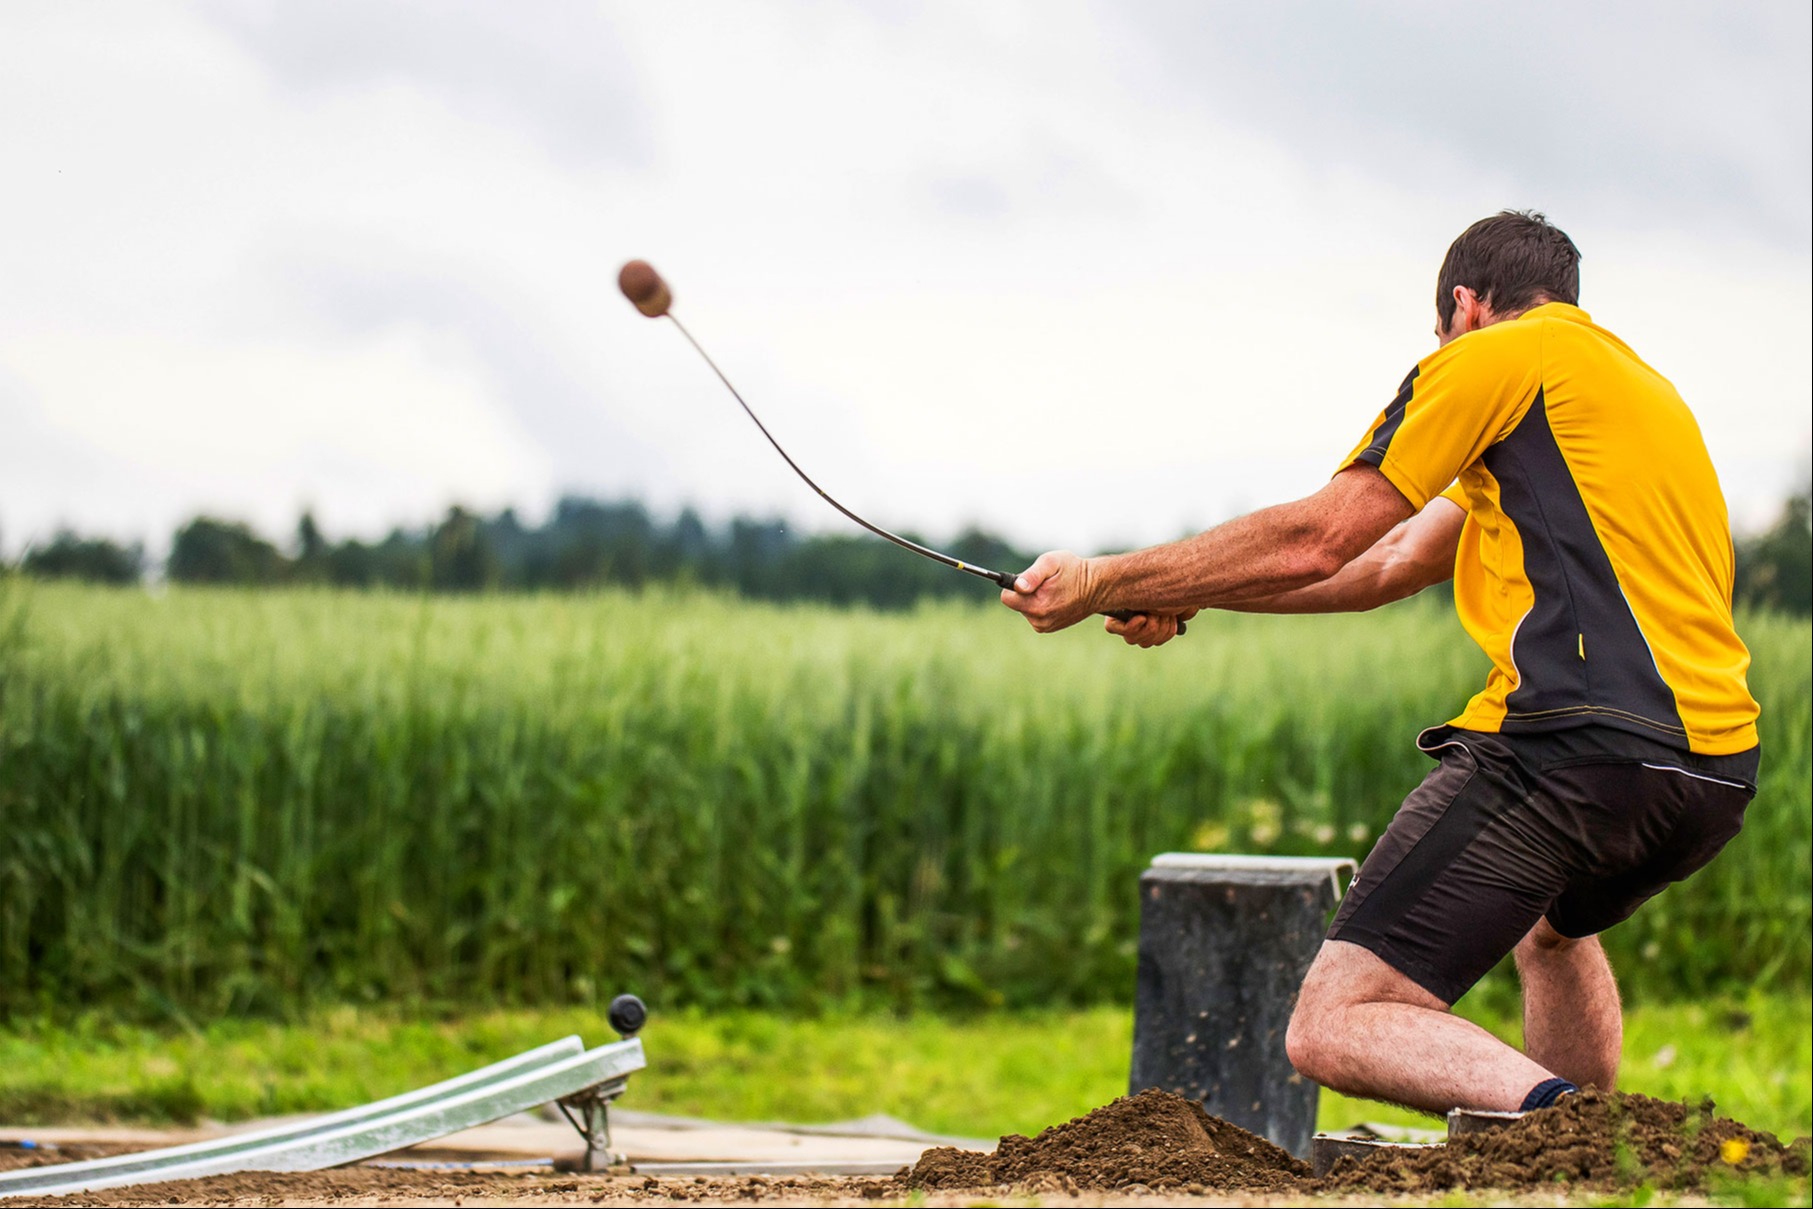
1303	1040
1341	976
1345	979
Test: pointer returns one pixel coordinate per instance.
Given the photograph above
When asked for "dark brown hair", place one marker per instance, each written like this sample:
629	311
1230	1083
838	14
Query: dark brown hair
1513	260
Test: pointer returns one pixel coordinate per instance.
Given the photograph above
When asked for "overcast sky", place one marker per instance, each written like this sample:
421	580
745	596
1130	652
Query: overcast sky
1087	274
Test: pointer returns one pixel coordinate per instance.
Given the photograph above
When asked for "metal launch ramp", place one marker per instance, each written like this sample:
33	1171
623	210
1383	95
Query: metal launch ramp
581	1081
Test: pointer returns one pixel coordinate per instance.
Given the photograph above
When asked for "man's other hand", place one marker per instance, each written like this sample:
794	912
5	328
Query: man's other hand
1149	629
1054	593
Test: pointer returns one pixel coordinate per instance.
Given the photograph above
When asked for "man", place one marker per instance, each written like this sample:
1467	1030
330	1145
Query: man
1565	487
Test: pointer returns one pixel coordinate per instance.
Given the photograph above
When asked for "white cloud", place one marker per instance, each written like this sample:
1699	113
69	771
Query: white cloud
362	433
1028	265
555	71
1667	113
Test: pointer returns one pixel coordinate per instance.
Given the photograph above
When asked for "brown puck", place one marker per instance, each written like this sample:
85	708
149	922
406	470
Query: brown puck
644	287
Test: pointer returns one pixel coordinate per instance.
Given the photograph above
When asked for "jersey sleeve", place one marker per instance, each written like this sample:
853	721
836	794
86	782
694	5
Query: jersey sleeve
1453	405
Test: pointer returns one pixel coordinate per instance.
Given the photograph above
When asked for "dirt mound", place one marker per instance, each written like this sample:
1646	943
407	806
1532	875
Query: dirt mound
1593	1137
1161	1141
1154	1139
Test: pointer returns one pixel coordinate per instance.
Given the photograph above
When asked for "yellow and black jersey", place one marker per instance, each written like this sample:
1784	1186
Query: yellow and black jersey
1595	566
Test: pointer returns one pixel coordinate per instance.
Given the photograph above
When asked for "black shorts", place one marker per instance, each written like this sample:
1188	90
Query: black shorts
1580	827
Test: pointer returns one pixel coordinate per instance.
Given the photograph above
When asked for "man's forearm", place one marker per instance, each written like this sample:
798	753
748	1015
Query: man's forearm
1279	554
1272	551
1365	583
1275	550
1411	557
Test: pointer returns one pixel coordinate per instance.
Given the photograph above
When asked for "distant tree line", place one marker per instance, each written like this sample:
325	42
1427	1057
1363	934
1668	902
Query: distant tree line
1775	568
584	543
593	543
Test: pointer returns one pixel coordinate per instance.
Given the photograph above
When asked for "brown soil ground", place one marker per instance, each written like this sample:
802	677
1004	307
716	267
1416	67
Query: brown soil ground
1591	1139
1151	1148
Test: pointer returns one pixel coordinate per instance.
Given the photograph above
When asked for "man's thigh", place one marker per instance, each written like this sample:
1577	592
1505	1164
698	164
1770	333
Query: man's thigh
1343	974
1464	871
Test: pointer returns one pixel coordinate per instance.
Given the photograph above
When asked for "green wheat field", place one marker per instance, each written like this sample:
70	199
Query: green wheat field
263	802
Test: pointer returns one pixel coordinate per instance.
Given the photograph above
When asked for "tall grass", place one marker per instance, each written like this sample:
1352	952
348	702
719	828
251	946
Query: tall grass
218	801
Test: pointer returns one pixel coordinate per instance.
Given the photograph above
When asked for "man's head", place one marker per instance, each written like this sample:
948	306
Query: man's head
1499	268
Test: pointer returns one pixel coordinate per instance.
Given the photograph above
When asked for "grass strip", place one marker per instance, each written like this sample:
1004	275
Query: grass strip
974	1076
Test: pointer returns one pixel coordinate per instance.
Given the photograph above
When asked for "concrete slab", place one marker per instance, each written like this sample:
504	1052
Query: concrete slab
767	1169
109	1135
643	1144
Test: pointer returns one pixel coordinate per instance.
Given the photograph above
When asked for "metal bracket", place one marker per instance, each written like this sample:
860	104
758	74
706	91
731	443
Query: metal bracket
593	1105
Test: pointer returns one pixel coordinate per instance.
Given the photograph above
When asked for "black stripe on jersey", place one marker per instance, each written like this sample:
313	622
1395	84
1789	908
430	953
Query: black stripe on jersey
1388	427
1579	606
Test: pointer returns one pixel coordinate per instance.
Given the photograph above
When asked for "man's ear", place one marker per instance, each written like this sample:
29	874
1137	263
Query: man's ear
1469	311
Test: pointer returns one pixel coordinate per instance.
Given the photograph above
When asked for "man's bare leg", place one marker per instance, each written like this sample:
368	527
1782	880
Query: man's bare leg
1572	1022
1363	1029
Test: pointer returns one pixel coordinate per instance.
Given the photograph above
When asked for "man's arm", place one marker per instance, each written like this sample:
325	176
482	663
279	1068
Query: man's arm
1413	556
1273	551
1417	554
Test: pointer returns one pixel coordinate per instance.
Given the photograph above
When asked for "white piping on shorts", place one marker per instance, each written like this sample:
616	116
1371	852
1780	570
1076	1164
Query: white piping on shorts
1698	776
1430	751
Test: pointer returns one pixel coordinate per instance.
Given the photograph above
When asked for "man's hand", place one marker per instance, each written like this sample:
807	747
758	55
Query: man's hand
1149	629
1054	593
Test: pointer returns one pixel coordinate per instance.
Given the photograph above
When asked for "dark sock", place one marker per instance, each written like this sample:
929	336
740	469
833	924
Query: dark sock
1546	1093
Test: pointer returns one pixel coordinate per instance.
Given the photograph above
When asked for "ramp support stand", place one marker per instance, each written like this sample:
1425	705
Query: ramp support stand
594	1124
593	1104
